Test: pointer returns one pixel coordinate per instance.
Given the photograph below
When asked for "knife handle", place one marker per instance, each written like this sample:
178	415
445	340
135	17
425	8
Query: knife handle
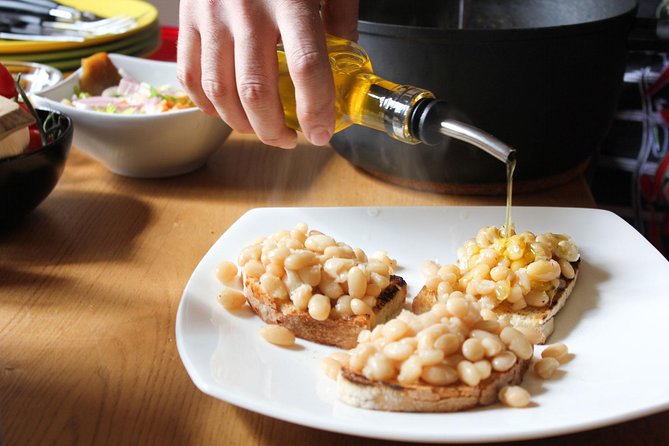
43	3
68	13
25	8
15	18
41	8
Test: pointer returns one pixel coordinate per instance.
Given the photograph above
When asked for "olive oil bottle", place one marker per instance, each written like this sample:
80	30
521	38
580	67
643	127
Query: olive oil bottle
361	97
407	113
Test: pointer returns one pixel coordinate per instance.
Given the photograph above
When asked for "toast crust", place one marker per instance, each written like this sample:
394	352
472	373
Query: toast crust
357	390
530	317
340	332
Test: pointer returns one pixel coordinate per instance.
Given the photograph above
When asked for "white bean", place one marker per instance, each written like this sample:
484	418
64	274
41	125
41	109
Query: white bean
278	335
319	307
545	368
514	396
357	283
231	299
558	351
330	367
439	375
226	271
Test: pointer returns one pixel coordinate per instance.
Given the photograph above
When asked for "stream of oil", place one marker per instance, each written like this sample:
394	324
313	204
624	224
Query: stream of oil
510	167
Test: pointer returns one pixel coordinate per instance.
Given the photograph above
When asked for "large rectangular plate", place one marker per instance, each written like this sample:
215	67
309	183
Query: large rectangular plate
614	323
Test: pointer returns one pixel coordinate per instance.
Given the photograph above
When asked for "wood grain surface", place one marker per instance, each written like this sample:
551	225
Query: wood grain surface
91	280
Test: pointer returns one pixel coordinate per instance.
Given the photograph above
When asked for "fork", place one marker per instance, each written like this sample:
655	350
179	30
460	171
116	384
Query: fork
111	25
55	16
24	26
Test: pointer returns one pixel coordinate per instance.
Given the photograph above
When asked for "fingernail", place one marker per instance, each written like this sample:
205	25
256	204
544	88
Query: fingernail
320	136
290	144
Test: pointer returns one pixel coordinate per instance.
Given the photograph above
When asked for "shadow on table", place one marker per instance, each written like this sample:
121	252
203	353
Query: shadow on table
16	277
75	227
242	166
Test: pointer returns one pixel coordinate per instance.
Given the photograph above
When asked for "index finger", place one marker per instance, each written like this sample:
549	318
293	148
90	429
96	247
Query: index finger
341	18
303	38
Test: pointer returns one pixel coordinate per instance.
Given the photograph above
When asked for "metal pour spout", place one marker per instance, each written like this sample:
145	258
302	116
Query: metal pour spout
477	137
431	120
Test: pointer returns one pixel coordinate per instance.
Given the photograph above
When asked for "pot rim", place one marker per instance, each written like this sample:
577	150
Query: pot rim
454	35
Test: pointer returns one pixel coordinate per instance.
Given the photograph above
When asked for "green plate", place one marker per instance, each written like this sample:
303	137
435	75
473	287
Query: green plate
143	49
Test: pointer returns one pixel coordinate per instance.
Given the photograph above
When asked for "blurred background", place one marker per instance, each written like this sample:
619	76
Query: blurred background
629	175
168	10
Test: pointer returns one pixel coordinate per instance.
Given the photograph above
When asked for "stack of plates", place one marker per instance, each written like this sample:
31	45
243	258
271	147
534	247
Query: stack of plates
140	41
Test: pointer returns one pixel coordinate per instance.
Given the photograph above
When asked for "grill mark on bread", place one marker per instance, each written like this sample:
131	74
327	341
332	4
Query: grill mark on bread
389	292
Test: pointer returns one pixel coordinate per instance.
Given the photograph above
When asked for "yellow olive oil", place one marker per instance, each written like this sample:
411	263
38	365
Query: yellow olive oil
404	112
361	97
510	168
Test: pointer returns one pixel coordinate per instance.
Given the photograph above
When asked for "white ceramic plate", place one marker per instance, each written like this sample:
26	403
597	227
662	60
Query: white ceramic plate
614	323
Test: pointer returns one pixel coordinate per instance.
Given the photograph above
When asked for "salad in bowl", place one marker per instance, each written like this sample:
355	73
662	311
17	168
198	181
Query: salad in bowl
105	88
131	115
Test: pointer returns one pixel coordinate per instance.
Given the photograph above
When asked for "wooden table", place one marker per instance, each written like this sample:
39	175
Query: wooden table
91	281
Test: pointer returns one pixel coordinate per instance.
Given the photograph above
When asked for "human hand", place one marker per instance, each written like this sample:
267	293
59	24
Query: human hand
227	62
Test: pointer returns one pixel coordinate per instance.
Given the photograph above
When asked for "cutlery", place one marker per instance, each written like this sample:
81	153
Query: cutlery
111	25
44	12
29	26
47	10
76	14
39	37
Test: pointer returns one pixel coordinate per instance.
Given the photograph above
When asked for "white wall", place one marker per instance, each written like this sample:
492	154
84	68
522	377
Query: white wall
169	11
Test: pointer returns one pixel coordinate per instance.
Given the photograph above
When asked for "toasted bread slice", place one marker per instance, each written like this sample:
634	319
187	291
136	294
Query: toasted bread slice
357	390
541	319
337	331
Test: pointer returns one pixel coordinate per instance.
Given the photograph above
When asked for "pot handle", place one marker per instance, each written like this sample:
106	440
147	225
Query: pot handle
649	34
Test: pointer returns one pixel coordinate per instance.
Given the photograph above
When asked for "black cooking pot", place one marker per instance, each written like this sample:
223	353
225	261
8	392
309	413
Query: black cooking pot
541	75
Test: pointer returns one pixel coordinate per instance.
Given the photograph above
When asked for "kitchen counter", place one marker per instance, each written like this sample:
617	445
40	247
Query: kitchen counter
91	281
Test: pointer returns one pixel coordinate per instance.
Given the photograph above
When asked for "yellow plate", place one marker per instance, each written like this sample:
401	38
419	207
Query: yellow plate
71	60
144	13
146	34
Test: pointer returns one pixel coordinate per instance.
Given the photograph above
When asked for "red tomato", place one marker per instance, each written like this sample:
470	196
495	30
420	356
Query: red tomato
7	85
35	139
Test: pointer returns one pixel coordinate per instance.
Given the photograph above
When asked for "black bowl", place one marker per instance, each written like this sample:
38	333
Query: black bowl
27	179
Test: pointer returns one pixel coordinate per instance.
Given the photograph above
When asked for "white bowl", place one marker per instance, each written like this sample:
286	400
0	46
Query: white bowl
143	146
35	77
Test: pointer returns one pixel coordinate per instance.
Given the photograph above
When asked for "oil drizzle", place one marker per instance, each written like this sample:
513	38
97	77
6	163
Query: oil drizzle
510	168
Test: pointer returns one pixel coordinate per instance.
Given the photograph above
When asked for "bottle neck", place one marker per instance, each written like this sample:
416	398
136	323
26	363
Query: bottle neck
413	115
386	106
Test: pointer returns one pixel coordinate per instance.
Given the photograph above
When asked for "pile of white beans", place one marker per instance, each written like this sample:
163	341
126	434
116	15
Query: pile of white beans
452	343
521	270
449	344
316	273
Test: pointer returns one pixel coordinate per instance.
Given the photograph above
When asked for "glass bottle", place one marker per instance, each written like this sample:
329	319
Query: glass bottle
407	113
